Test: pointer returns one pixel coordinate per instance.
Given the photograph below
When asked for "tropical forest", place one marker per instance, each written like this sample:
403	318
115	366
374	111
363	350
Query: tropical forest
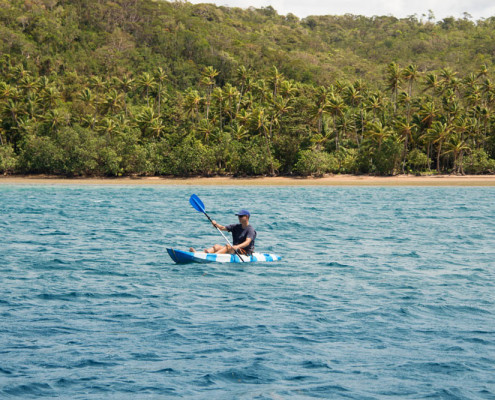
168	88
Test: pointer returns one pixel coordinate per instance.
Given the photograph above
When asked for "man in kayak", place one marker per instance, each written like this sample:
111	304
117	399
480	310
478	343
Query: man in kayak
243	236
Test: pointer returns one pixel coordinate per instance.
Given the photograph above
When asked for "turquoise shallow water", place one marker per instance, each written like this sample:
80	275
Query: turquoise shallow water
382	293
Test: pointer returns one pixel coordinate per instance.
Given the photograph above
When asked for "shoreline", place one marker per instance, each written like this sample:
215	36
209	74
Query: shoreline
331	180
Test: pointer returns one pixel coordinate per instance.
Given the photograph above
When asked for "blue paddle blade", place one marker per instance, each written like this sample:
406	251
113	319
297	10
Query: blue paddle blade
197	203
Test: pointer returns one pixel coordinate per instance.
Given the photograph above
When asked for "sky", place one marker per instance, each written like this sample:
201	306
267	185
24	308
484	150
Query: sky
478	9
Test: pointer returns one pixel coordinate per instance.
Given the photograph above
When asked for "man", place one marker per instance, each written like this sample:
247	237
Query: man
243	236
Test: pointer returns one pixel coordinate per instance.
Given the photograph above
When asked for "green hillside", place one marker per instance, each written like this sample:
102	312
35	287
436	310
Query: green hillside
145	87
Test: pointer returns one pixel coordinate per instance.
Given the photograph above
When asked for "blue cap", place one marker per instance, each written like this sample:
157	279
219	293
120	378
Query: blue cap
243	212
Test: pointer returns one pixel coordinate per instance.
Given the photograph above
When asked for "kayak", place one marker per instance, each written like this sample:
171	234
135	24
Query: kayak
184	257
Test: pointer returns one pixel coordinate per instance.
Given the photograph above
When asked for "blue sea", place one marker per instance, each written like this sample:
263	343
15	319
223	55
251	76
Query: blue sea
382	293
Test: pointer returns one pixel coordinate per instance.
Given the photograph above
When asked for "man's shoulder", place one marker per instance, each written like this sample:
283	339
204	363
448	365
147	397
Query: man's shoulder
241	228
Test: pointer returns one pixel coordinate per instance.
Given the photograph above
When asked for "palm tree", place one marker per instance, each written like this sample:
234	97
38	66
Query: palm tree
107	126
17	72
457	146
113	101
374	103
156	127
439	132
192	102
337	109
208	79
231	94
238	131
278	109
13	110
218	96
88	121
455	84
432	82
97	83
261	123
243	77
205	128
428	112
483	71
262	90
44	82
394	77
353	97
56	118
50	96
146	82
482	116
282	105
244	117
320	106
126	84
474	96
32	104
247	101
287	89
451	108
470	81
8	92
318	141
361	117
406	100
145	119
27	127
340	86
447	77
449	96
274	79
405	130
410	74
123	123
87	97
378	132
488	90
345	124
161	77
28	83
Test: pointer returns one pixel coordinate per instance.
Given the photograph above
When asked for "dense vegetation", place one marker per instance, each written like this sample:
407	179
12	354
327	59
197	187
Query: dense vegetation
153	87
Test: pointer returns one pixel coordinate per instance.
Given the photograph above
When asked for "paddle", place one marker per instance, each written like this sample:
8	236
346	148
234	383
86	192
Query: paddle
199	206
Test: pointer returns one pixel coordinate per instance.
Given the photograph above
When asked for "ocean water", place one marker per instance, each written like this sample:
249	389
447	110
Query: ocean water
383	293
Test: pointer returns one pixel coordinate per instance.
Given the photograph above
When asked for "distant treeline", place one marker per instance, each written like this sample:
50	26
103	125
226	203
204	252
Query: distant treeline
158	88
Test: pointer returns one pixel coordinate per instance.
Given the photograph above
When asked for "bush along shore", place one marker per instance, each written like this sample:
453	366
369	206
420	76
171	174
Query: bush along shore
157	88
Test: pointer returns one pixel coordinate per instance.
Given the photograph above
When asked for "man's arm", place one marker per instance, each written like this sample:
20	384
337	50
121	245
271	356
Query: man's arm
243	244
221	227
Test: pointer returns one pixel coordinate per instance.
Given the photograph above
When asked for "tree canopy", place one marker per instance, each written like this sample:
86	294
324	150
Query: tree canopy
148	87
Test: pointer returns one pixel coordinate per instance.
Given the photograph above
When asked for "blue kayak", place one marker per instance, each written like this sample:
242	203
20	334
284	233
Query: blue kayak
184	257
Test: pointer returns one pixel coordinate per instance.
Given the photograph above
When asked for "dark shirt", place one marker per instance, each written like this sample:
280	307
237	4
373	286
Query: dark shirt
239	235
